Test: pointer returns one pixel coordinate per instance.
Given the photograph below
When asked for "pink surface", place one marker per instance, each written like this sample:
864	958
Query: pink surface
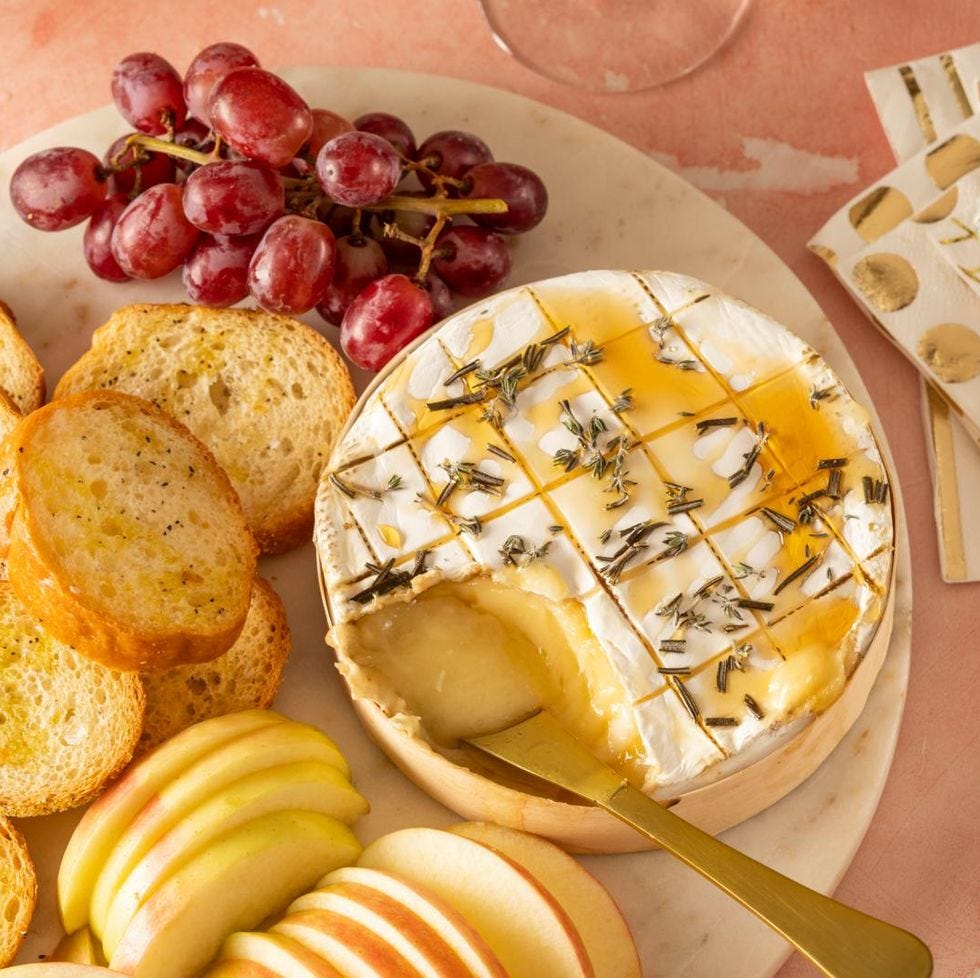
780	129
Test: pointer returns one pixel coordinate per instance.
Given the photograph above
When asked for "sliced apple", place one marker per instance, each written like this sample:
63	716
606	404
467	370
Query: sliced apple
58	969
235	883
353	949
78	948
270	746
309	786
280	954
593	911
239	969
521	921
458	933
418	943
107	819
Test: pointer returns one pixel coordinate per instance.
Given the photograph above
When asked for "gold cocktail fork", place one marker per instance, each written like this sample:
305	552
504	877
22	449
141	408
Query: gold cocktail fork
840	941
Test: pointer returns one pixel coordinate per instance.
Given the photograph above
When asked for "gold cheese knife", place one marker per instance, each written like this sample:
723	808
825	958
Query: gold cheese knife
841	942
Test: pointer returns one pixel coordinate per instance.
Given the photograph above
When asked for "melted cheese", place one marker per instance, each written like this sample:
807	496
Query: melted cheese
626	643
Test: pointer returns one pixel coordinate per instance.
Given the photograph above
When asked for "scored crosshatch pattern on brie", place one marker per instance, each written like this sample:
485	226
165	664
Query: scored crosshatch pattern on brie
638	458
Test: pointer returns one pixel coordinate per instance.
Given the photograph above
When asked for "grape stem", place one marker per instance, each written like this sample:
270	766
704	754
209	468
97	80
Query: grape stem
440	206
174	149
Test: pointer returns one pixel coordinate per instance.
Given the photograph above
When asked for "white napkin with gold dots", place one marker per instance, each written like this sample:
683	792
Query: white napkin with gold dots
908	250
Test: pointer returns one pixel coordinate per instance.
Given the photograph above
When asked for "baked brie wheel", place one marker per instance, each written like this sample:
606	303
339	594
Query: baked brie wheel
627	498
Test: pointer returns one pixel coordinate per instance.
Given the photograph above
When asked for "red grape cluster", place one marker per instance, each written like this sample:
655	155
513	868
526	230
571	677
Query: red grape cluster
230	174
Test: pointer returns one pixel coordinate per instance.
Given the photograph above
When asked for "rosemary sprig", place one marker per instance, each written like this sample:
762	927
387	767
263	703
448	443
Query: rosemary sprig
474	397
818	394
614	568
799	572
677	543
875	490
556	337
684	506
658	330
463	371
783	523
500	452
469	474
754	707
623	402
720	722
691	365
619	482
709	423
351	489
721	676
755	605
516	552
566	458
685	695
831	463
387	579
586	354
834	484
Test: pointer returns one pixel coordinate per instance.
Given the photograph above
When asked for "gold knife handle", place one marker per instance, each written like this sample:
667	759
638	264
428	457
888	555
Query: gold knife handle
840	941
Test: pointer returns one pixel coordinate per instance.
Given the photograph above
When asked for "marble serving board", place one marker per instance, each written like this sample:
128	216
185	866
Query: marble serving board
611	206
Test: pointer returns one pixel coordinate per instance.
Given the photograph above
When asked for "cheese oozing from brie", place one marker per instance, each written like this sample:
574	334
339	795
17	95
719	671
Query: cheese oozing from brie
625	496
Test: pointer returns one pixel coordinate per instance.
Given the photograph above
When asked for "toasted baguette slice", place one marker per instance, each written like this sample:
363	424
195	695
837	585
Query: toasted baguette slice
21	376
267	394
18	889
127	540
67	724
246	677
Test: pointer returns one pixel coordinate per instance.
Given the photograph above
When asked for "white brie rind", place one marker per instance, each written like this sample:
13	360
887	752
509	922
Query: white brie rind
676	466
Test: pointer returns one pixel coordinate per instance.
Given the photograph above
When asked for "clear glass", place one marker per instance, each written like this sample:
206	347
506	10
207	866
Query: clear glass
613	45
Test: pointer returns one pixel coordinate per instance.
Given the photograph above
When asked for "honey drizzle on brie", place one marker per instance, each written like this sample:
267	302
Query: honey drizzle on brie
612	323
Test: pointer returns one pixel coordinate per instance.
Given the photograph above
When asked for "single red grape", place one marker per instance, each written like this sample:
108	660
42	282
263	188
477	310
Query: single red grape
326	125
57	188
440	296
153	168
97	241
451	153
358	168
385	317
473	261
259	115
389	127
152	236
207	69
360	260
233	198
292	265
149	93
520	188
216	273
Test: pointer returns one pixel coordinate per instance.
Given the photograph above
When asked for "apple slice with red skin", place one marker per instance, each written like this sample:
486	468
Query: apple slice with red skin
283	956
521	921
420	944
353	949
461	936
599	921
